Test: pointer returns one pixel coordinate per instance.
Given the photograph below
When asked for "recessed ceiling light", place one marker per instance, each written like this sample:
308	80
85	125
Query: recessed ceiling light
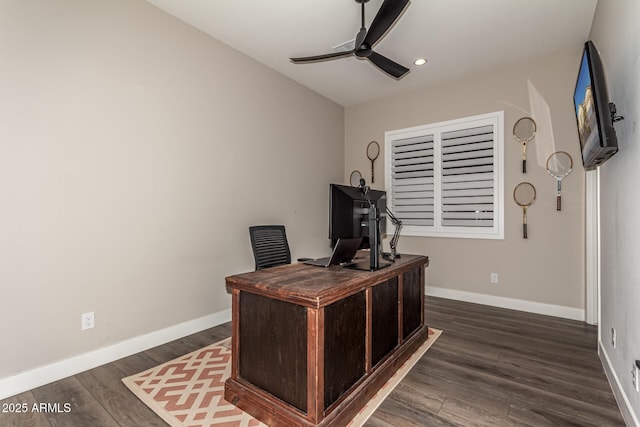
420	61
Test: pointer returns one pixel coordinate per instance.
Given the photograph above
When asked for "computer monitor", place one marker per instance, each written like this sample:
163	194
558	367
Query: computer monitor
349	213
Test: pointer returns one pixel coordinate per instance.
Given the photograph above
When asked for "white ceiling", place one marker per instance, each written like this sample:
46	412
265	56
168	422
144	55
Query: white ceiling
457	37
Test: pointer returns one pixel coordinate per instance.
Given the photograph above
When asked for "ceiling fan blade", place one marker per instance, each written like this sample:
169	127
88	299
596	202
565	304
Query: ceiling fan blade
387	15
360	37
325	57
388	66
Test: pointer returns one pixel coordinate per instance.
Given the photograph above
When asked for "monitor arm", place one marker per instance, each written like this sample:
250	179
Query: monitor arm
393	244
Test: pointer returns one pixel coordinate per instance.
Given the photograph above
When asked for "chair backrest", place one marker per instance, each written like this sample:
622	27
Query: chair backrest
270	247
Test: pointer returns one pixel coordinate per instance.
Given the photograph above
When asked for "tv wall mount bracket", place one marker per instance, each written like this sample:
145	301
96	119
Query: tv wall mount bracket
612	111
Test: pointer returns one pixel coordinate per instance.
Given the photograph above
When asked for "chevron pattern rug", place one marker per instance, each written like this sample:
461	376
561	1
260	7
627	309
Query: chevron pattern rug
189	391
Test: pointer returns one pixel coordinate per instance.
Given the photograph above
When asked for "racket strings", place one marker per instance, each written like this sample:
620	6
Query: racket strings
559	164
524	194
524	129
373	150
354	178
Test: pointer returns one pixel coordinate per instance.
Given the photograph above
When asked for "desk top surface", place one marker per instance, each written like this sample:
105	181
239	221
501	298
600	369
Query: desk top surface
318	286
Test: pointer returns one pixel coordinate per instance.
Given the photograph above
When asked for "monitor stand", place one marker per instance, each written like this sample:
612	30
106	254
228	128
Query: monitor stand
365	265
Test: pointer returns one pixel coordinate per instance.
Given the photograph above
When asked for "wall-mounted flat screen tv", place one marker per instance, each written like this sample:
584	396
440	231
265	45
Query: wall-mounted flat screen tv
594	113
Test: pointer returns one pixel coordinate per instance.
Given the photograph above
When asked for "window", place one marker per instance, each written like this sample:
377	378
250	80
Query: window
446	179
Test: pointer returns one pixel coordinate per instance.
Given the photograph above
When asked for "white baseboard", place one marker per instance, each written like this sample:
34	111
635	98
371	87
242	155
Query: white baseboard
630	418
510	303
37	377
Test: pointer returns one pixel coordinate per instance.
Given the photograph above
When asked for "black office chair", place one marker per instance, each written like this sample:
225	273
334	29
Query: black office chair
270	246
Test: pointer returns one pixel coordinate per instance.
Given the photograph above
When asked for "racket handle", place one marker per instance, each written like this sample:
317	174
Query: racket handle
524	231
372	178
558	203
524	166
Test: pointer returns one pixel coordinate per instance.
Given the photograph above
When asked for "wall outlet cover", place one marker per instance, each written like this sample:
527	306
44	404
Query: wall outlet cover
88	321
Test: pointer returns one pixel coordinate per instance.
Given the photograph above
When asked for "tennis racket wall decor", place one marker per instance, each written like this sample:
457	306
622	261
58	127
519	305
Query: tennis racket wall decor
373	151
559	165
523	131
524	195
354	178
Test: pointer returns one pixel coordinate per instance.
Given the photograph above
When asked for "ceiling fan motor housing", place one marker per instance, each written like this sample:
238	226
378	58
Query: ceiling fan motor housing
363	51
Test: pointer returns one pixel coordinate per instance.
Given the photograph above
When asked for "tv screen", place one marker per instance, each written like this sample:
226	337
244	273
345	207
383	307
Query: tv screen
594	111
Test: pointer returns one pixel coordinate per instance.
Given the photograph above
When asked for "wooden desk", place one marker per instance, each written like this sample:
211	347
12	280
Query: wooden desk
311	345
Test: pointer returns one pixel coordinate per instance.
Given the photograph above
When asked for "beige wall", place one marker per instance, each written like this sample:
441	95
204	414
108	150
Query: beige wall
547	268
615	34
134	153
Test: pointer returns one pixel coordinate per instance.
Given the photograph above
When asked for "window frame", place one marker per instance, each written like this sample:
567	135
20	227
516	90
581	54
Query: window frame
496	119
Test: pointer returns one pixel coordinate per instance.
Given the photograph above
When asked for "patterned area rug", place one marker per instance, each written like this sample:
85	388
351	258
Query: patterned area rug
189	391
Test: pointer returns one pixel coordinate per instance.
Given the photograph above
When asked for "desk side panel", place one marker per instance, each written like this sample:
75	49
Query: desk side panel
412	297
344	346
384	315
273	339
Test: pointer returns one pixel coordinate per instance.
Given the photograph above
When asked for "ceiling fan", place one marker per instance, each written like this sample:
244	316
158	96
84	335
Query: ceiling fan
363	48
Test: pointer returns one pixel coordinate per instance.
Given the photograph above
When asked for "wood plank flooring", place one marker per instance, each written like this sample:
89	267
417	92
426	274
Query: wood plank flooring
496	367
490	367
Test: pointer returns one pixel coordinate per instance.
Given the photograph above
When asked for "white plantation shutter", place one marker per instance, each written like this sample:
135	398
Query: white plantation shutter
412	180
467	177
446	179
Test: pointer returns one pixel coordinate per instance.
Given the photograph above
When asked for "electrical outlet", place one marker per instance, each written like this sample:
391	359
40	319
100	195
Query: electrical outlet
613	337
88	321
494	277
635	375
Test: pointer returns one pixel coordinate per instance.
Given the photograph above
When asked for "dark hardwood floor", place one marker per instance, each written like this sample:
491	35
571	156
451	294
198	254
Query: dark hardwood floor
496	367
490	367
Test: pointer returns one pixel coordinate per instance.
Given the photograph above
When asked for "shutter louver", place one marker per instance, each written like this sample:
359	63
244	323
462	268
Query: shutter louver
412	180
468	177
